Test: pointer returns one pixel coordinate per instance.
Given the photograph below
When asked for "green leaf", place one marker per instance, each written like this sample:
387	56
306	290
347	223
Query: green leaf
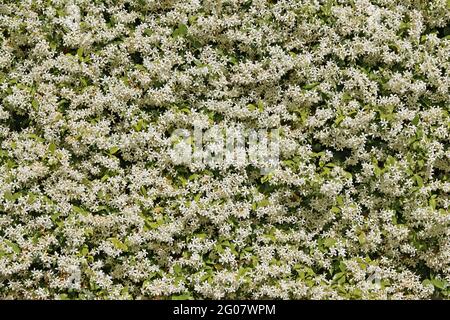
419	133
61	12
311	85
329	242
12	197
391	160
84	82
427	282
84	251
335	210
80	53
52	148
338	275
304	115
118	244
194	176
102	208
182	180
251	107
194	42
113	150
377	171
266	178
13	246
420	163
185	110
177	268
263	203
31	198
35	137
148	32
79	210
140	67
419	180
139	125
182	30
440	284
233	60
432	201
362	238
201	235
144	191
260	105
34	104
339	119
154	225
181	297
219	248
342	280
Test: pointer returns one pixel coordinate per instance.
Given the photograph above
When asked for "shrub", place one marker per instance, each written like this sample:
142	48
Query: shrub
94	205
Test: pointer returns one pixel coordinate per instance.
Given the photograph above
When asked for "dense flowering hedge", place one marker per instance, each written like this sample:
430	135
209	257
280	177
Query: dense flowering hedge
93	205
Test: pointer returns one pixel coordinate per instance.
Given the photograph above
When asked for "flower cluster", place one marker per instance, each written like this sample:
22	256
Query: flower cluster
94	205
